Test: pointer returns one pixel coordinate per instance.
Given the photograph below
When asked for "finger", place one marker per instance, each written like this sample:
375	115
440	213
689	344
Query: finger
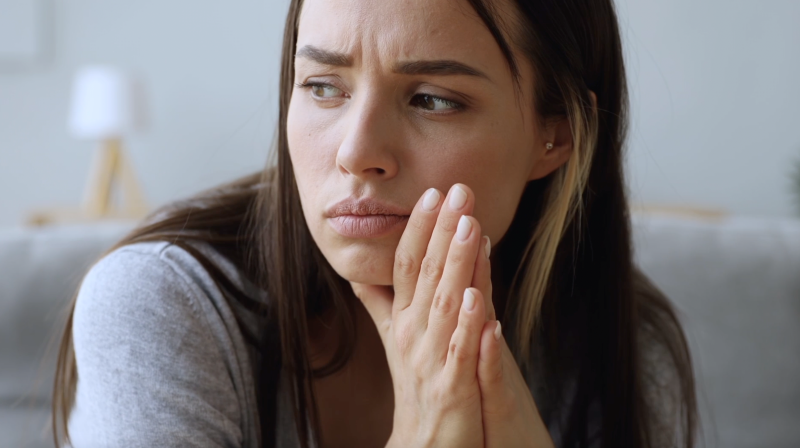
459	202
377	299
412	247
490	366
458	272
482	276
462	355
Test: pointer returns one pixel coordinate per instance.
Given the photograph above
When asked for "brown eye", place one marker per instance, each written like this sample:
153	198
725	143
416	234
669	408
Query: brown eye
325	91
433	103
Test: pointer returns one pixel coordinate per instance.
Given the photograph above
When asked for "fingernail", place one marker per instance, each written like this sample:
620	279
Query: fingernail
498	331
458	197
469	300
487	248
464	227
431	200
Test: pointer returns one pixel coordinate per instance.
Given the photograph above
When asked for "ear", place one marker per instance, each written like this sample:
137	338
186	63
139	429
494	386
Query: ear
559	134
548	160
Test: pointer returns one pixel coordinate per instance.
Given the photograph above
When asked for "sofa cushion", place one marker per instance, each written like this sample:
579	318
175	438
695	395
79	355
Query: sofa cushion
736	282
25	425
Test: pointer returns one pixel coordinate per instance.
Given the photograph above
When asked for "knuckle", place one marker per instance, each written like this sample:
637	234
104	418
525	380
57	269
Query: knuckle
444	303
449	223
431	268
458	352
469	326
456	258
404	263
416	222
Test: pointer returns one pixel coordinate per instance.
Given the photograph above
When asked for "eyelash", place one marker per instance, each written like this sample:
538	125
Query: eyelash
309	85
454	105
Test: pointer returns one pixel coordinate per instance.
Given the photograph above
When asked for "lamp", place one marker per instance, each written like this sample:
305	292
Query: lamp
105	106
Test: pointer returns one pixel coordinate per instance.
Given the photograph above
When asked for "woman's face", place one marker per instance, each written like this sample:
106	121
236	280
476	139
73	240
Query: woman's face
393	97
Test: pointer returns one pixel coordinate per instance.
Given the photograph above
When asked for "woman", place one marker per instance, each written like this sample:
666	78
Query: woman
440	257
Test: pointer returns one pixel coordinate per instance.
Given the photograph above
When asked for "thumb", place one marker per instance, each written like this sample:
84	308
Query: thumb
490	367
377	299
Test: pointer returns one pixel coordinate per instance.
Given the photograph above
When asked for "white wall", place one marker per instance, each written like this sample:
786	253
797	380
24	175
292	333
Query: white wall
714	89
715	95
211	71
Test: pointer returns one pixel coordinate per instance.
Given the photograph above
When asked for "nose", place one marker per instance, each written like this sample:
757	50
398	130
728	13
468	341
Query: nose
369	147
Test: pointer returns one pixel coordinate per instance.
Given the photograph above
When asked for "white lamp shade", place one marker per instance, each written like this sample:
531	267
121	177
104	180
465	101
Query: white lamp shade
102	103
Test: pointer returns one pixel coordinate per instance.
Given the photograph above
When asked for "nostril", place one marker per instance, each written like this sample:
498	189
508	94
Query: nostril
381	170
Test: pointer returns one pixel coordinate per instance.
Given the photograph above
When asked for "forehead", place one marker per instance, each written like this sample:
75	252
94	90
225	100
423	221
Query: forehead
387	31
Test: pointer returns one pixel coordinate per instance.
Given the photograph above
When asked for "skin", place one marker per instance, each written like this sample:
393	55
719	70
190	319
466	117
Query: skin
357	127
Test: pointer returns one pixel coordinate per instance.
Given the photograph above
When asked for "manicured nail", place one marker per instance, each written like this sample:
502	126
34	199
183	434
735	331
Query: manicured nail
487	248
469	300
464	228
458	197
431	200
497	331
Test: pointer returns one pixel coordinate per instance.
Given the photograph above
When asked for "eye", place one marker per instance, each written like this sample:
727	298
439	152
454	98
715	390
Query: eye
319	90
325	91
434	103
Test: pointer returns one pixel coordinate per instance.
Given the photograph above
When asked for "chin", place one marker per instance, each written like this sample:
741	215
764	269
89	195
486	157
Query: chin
369	266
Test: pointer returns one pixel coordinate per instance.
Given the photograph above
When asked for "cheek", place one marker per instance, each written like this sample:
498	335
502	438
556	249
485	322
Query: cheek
304	146
310	146
491	157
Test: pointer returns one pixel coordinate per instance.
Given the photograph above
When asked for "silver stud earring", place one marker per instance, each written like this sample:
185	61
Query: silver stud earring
549	145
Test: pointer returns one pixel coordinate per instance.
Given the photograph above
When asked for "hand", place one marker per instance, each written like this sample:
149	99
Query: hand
510	416
431	328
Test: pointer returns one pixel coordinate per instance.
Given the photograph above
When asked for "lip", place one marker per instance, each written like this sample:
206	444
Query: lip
366	217
367	226
365	206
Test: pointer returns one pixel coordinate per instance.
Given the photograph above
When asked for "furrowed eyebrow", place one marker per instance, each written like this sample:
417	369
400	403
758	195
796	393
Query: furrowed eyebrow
324	57
438	68
435	68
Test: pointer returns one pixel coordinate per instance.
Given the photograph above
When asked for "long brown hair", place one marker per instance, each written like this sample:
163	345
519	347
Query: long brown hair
573	287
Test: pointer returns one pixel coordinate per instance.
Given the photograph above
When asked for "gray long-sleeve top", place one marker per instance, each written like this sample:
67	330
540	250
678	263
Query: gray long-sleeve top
161	359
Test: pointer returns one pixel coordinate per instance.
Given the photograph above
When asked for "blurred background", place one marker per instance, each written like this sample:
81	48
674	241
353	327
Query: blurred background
713	149
209	74
713	84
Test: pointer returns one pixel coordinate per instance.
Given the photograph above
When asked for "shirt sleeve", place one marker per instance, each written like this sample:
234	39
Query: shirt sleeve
150	372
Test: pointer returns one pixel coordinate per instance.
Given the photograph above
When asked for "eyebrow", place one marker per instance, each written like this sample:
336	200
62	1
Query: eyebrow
435	68
324	57
438	68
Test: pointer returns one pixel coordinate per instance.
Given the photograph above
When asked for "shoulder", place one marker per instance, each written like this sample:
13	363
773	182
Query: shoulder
145	288
142	275
158	353
150	282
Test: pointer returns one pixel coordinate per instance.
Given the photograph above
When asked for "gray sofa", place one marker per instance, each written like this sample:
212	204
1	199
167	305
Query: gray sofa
39	271
736	282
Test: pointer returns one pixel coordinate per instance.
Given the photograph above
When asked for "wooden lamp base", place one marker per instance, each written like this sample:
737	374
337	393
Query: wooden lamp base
110	169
